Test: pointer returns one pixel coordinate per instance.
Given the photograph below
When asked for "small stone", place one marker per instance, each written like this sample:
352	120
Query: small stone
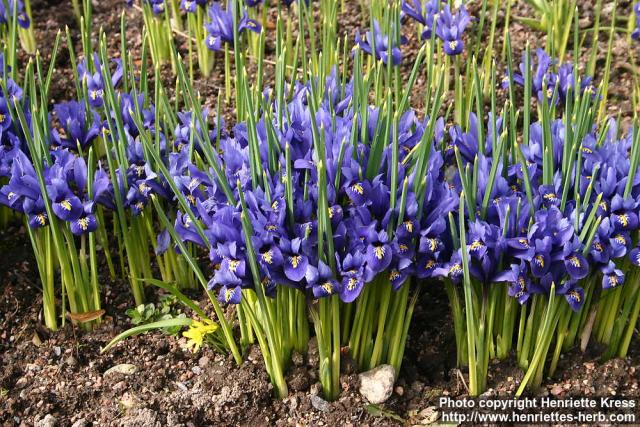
376	385
204	361
123	368
196	370
293	403
428	416
80	423
57	351
128	401
297	358
48	421
556	390
319	403
399	390
71	361
315	389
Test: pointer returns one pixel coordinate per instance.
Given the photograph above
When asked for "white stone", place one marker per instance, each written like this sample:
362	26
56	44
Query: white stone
376	385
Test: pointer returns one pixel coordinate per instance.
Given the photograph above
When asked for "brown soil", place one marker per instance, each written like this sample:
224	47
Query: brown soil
61	375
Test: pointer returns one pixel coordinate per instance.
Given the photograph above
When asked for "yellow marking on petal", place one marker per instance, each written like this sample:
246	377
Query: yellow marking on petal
575	261
395	274
476	244
598	246
351	284
524	242
539	260
430	264
603	206
271	227
41	218
66	205
408	225
619	238
379	251
228	294
275	205
268	256
295	260
575	295
233	265
624	220
193	184
403	248
453	44
613	281
328	287
11	195
357	188
83	223
550	196
455	269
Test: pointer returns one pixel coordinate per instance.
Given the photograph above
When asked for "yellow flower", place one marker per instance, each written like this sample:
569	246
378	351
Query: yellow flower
197	332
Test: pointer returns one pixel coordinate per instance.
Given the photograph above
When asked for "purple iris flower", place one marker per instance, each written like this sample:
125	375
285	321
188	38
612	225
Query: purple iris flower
424	14
452	269
321	281
295	262
74	130
86	222
220	28
383	46
611	276
352	272
519	281
15	7
573	294
623	215
157	6
189	6
576	264
66	205
450	28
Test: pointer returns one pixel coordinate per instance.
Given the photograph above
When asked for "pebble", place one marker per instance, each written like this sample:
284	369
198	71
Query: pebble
428	415
297	358
196	370
71	361
399	390
123	368
376	385
80	423
319	403
204	361
315	389
57	351
556	390
48	421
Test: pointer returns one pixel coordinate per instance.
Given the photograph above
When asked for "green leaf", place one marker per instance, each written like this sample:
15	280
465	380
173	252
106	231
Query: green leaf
161	324
179	296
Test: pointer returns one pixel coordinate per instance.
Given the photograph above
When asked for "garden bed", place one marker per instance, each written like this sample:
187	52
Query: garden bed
63	374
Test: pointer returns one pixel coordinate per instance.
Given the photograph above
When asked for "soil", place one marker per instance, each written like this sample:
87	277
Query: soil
62	378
